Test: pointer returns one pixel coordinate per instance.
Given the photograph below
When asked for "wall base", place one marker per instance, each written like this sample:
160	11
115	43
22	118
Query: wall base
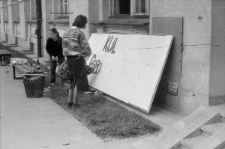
24	44
216	100
3	37
11	39
167	107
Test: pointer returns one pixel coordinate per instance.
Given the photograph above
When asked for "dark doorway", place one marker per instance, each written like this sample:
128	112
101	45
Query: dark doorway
124	6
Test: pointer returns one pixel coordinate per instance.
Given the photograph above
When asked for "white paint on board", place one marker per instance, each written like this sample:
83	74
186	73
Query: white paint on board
128	67
144	91
122	79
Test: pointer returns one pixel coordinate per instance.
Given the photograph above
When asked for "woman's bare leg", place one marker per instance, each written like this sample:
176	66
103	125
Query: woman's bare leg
70	100
75	95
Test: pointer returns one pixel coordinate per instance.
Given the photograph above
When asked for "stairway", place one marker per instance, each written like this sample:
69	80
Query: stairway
202	129
211	135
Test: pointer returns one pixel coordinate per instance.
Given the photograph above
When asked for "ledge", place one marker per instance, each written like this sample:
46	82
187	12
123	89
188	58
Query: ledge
32	22
64	21
6	21
133	22
16	22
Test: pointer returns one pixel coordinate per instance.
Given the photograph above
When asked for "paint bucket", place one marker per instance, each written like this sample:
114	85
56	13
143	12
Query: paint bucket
34	86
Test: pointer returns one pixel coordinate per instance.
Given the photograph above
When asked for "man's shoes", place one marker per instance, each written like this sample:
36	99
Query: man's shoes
91	90
69	105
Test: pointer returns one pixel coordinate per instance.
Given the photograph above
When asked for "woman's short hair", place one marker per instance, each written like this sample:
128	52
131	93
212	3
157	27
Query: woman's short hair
80	21
54	30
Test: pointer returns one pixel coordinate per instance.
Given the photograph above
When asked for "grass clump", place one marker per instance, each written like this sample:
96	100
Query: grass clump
105	118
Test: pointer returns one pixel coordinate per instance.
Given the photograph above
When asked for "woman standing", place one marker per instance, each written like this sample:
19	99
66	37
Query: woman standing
76	48
54	49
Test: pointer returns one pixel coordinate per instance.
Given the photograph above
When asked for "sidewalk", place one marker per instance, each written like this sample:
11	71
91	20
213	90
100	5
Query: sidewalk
30	123
39	123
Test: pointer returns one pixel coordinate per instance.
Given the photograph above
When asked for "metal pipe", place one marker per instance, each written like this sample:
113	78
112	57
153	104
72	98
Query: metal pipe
39	27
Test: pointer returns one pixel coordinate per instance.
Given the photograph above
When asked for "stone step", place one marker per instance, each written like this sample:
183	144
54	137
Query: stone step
222	119
215	141
218	100
181	129
212	128
190	143
183	147
219	108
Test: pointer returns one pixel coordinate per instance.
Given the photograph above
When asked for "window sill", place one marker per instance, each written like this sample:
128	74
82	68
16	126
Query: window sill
16	21
131	21
32	22
136	16
63	17
60	20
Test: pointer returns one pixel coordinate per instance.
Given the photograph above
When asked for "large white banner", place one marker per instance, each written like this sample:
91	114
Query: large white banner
128	67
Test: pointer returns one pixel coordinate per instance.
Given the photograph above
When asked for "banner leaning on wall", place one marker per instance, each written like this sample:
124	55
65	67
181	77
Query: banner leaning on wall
128	67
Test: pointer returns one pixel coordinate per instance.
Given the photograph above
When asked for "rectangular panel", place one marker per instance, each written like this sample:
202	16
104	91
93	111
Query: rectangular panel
144	92
123	79
102	65
128	67
146	56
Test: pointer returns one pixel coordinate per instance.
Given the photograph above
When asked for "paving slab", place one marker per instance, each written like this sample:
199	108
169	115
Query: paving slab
216	141
219	108
185	127
35	122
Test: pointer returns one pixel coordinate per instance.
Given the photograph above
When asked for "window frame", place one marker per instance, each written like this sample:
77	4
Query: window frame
63	12
114	10
138	14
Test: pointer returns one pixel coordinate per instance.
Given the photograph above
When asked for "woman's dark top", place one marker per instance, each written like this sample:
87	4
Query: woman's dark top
54	48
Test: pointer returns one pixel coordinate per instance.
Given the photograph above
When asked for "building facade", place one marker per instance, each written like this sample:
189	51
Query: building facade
194	75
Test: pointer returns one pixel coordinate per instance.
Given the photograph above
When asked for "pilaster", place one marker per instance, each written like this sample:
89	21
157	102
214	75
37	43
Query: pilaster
3	14
11	16
24	7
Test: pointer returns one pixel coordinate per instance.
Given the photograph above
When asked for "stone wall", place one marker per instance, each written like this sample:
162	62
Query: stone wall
196	48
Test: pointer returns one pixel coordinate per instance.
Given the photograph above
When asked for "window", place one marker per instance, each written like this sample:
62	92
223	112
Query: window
129	7
63	7
141	7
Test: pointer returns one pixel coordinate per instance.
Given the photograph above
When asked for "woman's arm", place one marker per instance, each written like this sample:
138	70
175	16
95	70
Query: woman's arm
86	50
60	52
48	46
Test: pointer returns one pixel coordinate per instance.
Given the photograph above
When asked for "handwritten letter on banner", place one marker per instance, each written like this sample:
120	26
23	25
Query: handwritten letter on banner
128	67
